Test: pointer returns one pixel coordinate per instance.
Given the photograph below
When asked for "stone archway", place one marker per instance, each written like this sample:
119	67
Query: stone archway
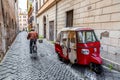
44	26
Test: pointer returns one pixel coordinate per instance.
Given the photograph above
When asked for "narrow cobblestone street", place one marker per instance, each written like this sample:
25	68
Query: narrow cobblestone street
18	65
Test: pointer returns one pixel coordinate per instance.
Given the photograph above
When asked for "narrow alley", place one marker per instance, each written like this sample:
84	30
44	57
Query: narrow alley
85	32
18	65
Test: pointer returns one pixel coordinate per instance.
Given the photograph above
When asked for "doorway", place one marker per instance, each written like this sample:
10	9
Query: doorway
51	30
44	26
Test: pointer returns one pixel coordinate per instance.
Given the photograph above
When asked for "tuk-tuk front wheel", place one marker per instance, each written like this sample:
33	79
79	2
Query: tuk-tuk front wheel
97	68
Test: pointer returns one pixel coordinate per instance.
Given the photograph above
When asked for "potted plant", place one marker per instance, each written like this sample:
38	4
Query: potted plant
52	42
40	39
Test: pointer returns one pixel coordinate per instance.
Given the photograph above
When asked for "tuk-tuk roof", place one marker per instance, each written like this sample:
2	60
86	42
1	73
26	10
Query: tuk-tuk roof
75	29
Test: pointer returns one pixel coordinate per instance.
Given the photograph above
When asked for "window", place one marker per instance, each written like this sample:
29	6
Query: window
25	24
20	24
38	28
24	16
42	2
87	36
36	7
39	3
69	18
24	19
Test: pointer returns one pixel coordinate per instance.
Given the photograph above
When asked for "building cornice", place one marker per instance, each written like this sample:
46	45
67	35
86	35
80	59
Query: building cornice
46	6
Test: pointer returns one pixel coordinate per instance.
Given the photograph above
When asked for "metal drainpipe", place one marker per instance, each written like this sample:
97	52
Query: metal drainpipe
56	21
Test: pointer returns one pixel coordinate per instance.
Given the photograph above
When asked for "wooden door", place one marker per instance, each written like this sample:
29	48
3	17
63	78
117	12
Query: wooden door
51	30
44	26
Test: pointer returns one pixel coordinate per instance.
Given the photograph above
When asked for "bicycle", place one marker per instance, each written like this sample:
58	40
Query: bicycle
34	51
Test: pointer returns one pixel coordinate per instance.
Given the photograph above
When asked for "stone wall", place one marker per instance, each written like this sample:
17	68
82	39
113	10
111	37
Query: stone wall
7	24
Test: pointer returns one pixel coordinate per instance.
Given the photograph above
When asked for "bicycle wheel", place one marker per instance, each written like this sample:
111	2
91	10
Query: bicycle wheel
35	49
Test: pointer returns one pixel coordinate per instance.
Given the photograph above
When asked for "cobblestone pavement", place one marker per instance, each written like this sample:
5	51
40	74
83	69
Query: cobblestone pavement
18	65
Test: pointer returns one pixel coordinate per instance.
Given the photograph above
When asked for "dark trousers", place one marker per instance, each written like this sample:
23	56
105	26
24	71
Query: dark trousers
32	42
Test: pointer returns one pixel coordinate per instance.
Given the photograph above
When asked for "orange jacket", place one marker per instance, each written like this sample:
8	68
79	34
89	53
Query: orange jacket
32	35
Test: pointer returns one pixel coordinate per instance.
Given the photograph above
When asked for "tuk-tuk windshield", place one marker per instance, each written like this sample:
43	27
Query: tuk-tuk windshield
86	36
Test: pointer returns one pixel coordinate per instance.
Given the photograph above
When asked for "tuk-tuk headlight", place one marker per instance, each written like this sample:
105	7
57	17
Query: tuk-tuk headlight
85	51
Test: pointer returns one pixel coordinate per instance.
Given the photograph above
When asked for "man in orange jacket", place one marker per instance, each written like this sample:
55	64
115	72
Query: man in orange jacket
33	36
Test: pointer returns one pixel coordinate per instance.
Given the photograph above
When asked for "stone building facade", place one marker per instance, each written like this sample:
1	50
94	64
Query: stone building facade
101	15
23	20
30	16
8	24
32	10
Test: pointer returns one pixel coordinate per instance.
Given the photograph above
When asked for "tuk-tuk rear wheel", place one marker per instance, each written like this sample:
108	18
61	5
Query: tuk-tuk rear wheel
62	59
97	68
59	57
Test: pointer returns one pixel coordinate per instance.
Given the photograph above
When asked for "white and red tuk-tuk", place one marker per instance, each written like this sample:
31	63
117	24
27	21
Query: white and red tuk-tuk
79	45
